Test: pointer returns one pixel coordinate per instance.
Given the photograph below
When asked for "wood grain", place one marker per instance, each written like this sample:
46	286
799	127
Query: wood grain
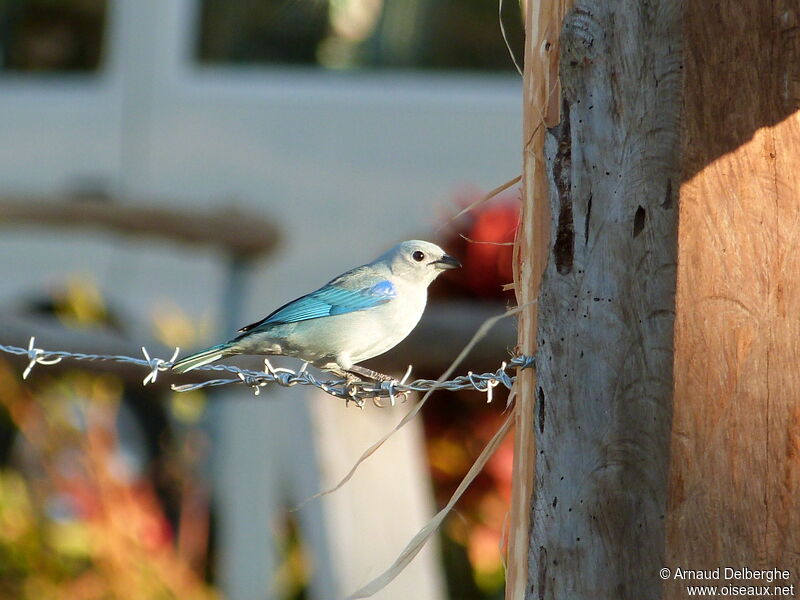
540	110
735	475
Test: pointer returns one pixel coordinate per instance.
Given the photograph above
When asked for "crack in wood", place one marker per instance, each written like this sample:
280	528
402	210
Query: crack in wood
542	571
667	203
588	219
638	221
564	245
541	410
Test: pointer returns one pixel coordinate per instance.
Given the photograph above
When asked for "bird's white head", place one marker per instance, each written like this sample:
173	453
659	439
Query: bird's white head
418	261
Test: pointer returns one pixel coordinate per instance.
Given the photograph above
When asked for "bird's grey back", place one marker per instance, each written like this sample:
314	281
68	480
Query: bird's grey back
362	277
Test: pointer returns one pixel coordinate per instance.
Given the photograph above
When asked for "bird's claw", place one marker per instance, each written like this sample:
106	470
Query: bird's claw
351	390
400	397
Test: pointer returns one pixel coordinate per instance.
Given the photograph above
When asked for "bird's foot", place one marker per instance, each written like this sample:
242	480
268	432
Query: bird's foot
381	378
353	376
350	387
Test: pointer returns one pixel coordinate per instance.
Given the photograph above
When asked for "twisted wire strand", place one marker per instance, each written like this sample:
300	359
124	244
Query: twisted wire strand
355	391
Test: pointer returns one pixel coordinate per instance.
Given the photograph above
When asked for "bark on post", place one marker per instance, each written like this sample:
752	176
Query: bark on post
604	355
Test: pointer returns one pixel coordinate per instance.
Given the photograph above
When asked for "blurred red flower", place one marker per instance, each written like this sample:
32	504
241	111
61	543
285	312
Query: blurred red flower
483	240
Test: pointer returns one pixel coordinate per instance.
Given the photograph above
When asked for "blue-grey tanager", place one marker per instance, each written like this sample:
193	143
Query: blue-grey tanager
360	314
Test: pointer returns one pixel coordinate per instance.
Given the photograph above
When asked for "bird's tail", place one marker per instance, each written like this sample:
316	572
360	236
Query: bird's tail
202	358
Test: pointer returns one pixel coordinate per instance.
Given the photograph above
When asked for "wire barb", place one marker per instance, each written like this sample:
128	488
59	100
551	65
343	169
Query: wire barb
157	365
38	357
357	391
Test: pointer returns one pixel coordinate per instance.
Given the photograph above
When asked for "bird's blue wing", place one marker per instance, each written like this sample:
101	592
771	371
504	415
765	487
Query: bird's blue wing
332	300
329	300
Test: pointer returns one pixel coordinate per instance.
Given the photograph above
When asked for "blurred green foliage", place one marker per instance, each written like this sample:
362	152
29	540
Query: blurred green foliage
78	520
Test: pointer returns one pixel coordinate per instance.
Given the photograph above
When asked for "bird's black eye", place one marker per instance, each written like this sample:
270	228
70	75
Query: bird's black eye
418	256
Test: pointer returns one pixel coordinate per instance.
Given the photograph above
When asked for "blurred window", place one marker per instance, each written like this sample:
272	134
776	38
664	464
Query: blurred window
351	34
51	35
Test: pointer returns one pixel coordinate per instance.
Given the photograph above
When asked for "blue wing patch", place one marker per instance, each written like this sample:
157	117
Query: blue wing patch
384	289
327	301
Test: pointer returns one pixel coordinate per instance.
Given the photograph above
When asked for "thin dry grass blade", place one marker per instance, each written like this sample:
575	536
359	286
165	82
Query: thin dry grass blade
486	243
505	37
479	334
419	540
498	190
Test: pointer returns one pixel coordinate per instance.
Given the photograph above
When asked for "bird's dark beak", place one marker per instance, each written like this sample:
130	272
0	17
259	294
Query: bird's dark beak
447	262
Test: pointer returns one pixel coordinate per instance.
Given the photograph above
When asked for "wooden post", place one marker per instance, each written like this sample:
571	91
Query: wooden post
735	473
673	247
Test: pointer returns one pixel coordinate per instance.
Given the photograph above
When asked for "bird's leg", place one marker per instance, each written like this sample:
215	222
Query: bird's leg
369	373
340	372
380	377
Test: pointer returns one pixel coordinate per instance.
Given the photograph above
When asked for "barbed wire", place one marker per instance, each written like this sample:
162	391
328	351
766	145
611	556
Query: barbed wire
351	391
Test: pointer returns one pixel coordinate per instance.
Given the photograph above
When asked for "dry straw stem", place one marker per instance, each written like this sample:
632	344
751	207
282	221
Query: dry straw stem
485	243
541	91
498	190
505	37
421	538
424	534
